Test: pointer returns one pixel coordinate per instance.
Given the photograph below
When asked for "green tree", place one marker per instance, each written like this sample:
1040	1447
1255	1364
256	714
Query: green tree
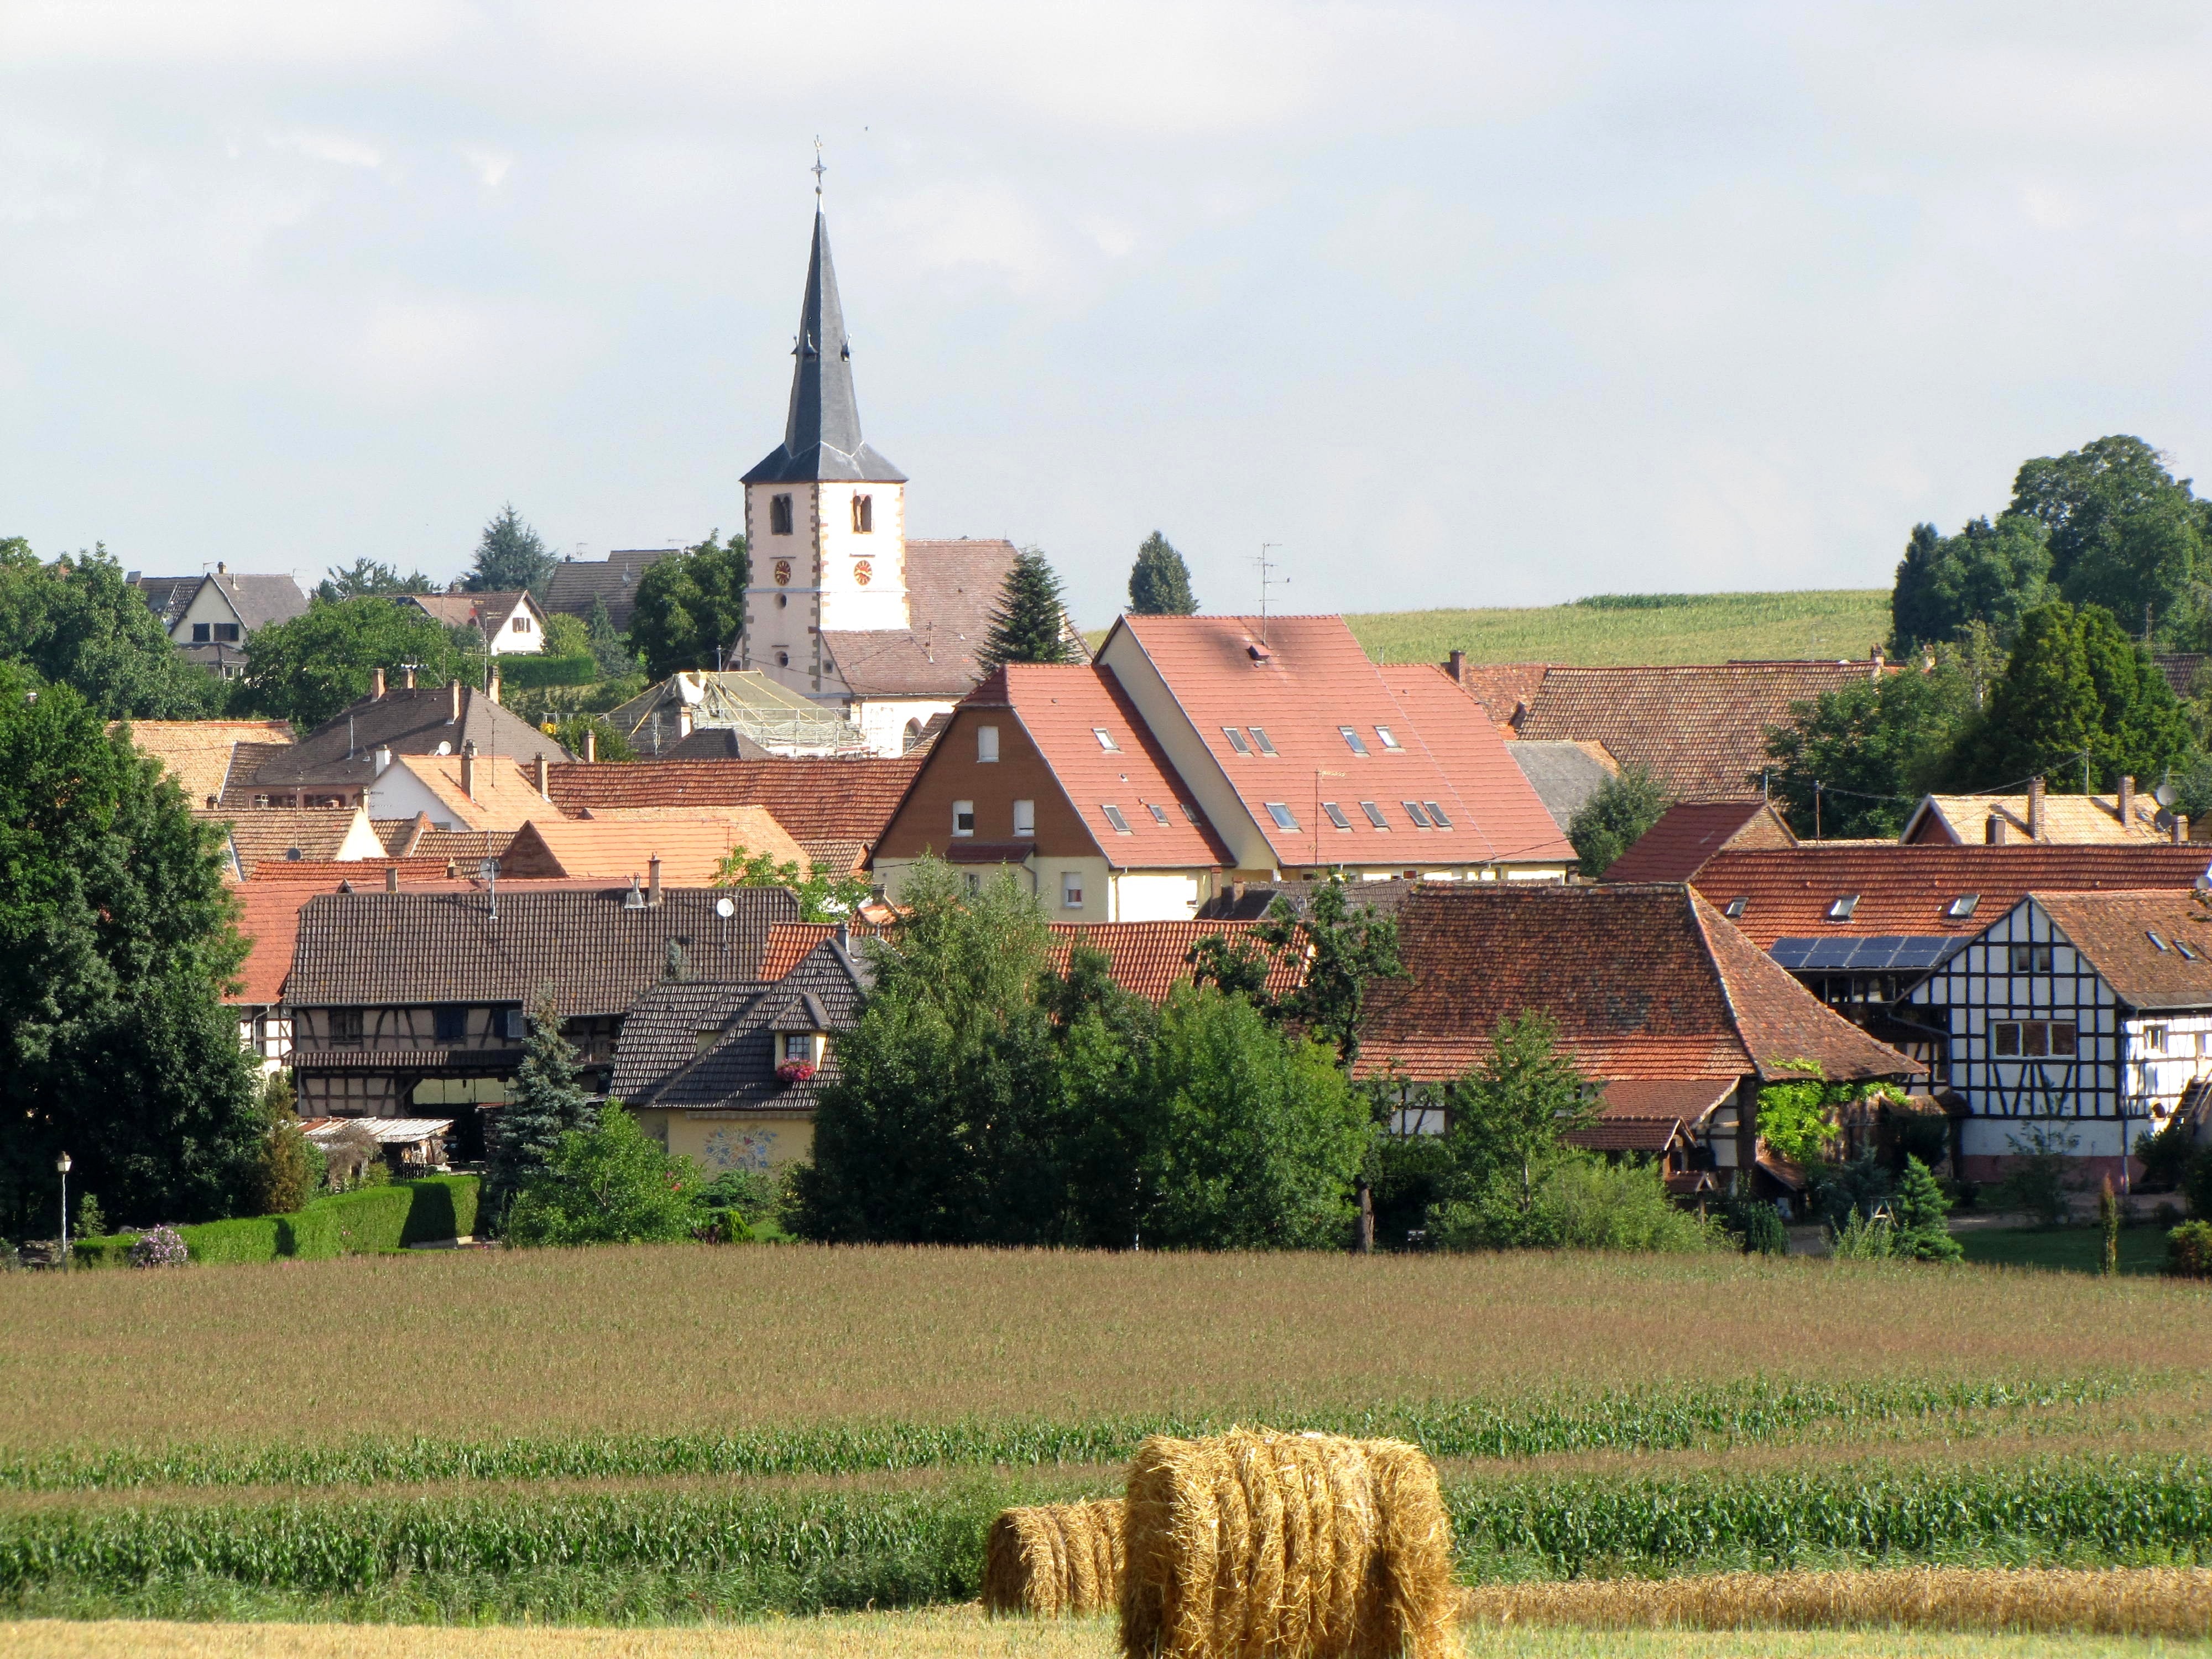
545	1103
612	745
1344	952
1101	1036
77	623
566	637
942	1124
2077	696
1159	582
510	555
2124	533
612	651
1853	763
309	669
1030	623
823	894
610	1183
285	1176
1988	573
115	945
690	605
1615	818
1920	1209
1256	1140
1508	1119
369	577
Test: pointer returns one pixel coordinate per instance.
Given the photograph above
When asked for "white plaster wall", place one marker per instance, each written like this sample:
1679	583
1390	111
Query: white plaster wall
848	602
398	794
2094	1137
509	643
209	605
1147	895
883	720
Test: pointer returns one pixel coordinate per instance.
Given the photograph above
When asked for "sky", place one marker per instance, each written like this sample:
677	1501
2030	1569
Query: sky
1459	305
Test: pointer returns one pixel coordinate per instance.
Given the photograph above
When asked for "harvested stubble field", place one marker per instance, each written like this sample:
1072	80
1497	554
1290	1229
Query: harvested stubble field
962	1633
679	1434
1684	628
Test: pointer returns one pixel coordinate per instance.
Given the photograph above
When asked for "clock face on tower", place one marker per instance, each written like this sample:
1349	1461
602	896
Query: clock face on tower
862	571
783	573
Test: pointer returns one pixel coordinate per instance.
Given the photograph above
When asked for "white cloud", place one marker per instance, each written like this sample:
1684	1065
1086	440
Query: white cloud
490	167
334	148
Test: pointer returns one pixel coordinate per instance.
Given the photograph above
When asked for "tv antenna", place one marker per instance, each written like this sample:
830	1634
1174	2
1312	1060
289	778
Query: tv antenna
1268	565
818	169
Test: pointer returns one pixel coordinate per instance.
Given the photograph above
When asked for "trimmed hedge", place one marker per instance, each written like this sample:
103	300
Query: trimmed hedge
525	673
367	1221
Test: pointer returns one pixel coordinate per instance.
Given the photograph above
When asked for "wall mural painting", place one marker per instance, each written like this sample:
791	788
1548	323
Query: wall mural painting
740	1149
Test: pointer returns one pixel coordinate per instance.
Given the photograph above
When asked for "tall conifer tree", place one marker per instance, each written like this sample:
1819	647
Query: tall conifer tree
1159	582
1029	624
546	1103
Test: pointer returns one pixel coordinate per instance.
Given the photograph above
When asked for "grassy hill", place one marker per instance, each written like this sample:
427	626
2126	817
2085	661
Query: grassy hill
1639	627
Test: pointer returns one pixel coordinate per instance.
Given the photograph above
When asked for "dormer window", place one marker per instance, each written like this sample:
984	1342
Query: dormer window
778	515
864	514
1840	909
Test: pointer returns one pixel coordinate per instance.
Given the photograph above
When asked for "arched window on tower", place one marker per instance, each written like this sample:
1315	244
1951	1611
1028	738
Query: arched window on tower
864	514
913	737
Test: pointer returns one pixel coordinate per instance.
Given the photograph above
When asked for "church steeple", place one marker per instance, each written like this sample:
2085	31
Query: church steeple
822	433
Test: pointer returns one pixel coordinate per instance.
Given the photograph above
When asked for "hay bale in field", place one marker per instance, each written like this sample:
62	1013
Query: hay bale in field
1055	1560
2174	1601
1303	1546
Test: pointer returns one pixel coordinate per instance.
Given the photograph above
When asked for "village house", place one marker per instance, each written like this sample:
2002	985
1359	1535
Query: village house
1691	834
2077	1023
734	714
1566	776
577	584
1304	757
843	608
512	624
690	852
2127	816
201	756
209	618
1675	1017
409	1004
291	834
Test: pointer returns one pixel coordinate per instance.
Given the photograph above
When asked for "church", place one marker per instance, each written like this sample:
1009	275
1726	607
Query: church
843	607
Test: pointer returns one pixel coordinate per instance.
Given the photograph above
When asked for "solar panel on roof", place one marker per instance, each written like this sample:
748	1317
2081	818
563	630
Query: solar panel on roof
1882	953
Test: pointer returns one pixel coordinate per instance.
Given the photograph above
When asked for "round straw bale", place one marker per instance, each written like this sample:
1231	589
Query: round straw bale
1052	1560
1255	1545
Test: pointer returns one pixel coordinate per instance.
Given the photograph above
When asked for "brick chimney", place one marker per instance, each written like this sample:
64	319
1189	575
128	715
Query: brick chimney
683	722
492	690
2035	809
653	880
391	877
545	777
1457	666
407	678
2127	802
591	745
469	770
454	717
1996	832
2180	827
376	682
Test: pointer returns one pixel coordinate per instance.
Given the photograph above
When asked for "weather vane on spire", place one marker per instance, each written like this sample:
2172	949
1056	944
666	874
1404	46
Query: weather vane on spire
818	169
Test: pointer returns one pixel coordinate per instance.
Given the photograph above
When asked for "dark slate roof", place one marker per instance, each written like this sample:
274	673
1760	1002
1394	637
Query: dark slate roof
658	1061
167	596
822	433
1249	901
1564	775
576	583
343	749
261	600
368	950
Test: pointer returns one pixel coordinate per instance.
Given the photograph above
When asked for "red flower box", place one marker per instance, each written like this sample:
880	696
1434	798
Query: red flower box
794	1070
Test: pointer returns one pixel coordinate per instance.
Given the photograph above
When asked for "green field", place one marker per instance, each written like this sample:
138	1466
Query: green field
672	1434
2064	1249
1655	628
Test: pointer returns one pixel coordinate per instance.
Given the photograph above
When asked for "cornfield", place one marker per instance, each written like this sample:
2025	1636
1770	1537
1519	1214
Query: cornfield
2144	1602
1651	1420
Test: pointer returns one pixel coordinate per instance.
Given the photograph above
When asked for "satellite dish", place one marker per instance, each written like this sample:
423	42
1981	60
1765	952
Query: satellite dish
2164	822
2163	794
487	869
725	908
445	749
2204	879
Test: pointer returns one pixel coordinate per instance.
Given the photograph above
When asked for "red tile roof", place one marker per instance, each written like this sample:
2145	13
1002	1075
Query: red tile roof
1307	681
1905	890
1701	730
2114	930
1147	956
328	873
1689	833
1063	709
1644	981
790	943
1505	689
816	801
1460	733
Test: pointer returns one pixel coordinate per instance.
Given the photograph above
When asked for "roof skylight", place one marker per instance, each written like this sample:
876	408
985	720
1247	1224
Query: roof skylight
1159	813
1735	908
1114	817
1105	739
1437	815
1413	812
2185	950
1841	909
1389	737
1374	815
1359	744
1260	740
1962	906
1235	739
1336	815
1281	814
1188	811
2151	933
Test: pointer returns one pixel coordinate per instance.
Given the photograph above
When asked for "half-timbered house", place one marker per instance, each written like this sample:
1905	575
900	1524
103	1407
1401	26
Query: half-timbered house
2076	1022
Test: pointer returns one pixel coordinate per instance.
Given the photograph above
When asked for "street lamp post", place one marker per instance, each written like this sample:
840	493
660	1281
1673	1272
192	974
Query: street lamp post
62	1167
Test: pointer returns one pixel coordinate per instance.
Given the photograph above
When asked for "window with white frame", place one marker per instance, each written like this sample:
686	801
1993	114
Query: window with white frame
2030	958
1025	817
2032	1039
1284	818
963	818
986	743
2155	1041
1071	891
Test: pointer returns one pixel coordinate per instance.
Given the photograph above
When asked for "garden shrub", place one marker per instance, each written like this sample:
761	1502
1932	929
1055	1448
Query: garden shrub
531	673
371	1219
248	1238
160	1247
445	1207
112	1251
1760	1225
2189	1250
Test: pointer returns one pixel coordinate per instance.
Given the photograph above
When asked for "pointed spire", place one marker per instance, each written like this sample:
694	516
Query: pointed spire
822	433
